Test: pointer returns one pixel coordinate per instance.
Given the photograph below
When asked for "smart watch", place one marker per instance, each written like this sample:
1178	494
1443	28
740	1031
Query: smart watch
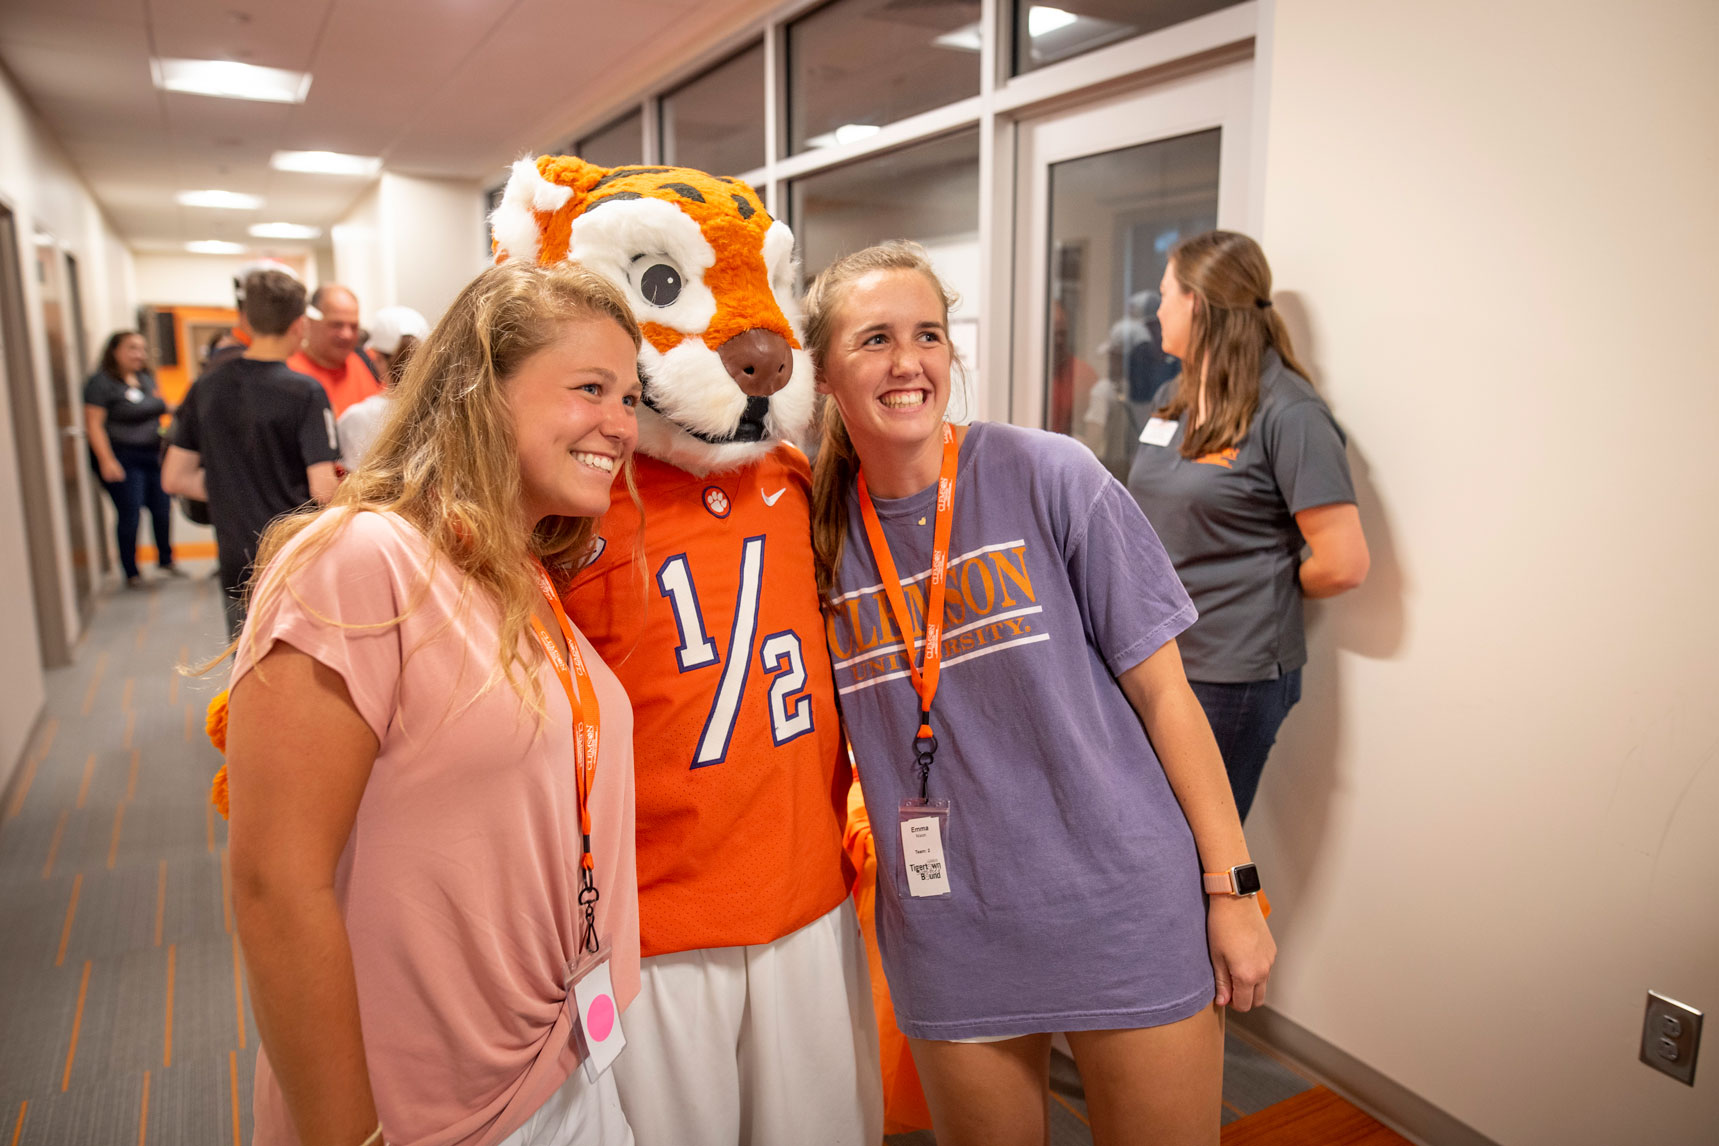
1243	879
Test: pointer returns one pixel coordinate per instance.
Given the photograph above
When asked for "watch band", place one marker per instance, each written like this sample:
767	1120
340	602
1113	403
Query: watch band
1242	879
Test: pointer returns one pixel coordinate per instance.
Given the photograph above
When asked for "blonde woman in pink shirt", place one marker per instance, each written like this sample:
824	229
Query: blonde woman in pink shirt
431	771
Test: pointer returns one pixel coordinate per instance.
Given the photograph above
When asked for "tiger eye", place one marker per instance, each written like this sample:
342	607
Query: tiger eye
660	285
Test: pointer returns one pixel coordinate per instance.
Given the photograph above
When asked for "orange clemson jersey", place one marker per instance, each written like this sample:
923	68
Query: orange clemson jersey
742	777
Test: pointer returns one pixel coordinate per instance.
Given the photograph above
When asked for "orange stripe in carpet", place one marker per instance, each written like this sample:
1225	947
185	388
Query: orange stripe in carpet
77	1022
24	783
54	845
113	845
130	729
1070	1107
1314	1117
239	991
183	551
95	683
18	1130
167	1040
160	901
84	788
127	694
131	776
143	1115
71	913
233	1076
30	763
209	824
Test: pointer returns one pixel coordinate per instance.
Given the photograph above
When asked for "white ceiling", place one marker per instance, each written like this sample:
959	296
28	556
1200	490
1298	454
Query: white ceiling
452	88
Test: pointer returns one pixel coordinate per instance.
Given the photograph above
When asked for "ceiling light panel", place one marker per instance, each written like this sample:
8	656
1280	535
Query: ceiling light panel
225	200
215	247
284	231
229	79
326	163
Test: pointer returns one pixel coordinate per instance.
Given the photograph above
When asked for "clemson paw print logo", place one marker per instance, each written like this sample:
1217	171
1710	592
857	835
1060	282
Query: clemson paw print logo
716	501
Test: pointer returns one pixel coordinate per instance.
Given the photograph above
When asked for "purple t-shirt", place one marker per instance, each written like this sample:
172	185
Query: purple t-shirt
1076	900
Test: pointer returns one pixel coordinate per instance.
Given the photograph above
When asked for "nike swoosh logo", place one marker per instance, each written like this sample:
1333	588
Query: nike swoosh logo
771	498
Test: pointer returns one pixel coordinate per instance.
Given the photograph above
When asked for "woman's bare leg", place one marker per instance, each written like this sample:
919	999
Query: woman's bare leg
987	1094
1161	1086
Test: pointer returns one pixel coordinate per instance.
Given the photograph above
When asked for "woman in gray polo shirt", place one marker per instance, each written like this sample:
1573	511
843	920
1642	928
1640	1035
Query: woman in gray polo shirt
1242	473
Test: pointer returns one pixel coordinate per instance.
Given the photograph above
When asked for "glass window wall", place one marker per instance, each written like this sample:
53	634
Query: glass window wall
716	122
856	65
619	144
1045	34
928	192
1114	218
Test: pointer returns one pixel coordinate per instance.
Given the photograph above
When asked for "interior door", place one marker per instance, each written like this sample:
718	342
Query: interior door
67	389
1103	193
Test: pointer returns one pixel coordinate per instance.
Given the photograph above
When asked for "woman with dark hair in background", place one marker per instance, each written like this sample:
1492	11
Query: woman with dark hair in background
122	416
1240	470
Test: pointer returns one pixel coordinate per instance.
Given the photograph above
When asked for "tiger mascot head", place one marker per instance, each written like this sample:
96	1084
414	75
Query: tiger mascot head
710	277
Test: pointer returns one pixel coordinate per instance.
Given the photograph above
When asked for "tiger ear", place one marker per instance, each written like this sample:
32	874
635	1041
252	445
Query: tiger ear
572	172
530	196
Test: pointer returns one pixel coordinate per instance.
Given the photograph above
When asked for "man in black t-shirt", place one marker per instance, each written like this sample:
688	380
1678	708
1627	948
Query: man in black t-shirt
253	438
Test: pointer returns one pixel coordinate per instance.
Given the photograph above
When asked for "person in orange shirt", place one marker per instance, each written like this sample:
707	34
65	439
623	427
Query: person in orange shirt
330	353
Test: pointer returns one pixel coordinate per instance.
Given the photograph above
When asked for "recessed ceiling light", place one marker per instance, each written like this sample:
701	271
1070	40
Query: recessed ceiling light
846	133
215	247
227	200
966	39
1042	20
229	79
325	163
284	231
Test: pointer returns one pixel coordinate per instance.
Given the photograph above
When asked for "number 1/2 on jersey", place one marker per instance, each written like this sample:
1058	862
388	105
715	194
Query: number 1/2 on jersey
779	655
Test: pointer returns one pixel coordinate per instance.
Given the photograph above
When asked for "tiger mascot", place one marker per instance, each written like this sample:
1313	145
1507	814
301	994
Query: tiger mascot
754	1021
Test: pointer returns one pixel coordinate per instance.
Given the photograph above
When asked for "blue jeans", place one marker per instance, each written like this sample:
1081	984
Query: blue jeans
1245	719
140	489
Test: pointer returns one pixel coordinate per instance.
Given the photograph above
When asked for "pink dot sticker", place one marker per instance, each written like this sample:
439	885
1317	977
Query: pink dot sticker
600	1018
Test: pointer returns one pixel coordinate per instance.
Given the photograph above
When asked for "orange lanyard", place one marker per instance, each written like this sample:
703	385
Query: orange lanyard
924	681
587	733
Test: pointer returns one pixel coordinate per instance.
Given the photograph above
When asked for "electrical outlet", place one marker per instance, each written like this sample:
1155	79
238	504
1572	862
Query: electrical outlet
1670	1037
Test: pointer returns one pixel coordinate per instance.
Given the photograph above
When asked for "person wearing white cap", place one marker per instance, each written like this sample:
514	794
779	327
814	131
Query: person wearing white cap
393	333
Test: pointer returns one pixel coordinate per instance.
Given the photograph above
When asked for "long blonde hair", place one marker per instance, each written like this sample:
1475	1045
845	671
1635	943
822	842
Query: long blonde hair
837	465
1234	323
445	458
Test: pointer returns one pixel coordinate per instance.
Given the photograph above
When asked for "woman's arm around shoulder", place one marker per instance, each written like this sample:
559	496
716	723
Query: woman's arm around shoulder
1241	945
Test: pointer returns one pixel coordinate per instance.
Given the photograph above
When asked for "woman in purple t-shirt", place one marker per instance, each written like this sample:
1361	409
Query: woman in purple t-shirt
1041	844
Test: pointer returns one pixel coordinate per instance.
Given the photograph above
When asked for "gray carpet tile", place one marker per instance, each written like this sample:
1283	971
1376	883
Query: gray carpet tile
109	810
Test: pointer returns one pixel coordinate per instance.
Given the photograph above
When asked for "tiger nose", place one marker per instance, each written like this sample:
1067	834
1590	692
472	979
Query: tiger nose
758	361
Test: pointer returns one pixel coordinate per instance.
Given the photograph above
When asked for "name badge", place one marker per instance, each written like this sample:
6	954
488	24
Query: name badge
922	824
1158	432
598	1015
133	394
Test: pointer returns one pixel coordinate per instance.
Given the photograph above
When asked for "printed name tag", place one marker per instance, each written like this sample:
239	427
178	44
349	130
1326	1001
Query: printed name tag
133	394
599	1019
922	852
1158	432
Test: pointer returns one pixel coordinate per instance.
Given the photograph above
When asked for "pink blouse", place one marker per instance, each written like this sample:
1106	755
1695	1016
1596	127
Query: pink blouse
459	883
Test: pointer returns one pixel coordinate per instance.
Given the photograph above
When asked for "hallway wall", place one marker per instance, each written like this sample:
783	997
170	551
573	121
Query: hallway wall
44	191
412	242
1489	827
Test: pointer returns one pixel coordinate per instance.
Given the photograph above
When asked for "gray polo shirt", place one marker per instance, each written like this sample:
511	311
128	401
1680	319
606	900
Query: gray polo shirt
1227	521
